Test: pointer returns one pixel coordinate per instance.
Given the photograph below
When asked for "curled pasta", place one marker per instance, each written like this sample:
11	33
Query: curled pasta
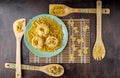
55	70
37	42
51	41
57	10
42	30
19	26
47	33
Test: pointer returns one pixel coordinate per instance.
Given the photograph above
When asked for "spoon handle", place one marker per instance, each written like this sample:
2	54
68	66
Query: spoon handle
90	10
18	58
99	20
24	67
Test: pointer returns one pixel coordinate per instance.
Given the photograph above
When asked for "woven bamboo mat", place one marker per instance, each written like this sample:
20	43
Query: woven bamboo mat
78	46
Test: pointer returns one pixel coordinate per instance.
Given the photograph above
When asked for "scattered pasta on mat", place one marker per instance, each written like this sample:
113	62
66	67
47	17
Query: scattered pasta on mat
80	53
85	28
79	40
74	48
72	38
72	57
85	50
75	29
70	22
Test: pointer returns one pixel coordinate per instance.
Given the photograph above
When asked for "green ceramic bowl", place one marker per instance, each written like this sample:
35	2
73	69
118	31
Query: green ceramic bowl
41	53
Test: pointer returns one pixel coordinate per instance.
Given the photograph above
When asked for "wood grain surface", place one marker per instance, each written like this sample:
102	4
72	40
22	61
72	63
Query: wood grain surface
109	67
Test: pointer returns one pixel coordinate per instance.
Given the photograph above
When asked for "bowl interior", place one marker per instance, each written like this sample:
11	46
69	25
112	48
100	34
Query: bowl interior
41	53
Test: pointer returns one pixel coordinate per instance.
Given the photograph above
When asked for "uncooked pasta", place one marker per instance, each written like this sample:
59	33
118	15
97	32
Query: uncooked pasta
45	34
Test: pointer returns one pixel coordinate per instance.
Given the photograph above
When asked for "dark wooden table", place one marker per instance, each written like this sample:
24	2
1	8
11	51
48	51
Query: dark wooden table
109	67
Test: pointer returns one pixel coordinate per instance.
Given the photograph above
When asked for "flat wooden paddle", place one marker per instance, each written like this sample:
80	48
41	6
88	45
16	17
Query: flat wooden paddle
55	9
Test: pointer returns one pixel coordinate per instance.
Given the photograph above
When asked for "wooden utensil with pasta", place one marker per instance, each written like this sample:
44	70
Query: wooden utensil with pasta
63	10
18	28
99	48
54	70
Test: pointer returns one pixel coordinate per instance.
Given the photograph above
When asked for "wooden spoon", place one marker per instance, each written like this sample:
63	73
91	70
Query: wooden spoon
63	10
46	69
18	28
99	48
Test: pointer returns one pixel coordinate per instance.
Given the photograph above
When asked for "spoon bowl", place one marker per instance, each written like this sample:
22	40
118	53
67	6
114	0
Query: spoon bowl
99	50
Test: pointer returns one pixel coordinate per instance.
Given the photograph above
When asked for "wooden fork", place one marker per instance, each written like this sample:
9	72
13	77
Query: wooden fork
99	48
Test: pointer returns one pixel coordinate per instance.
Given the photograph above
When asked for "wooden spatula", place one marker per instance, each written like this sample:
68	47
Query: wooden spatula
99	48
54	70
63	10
18	28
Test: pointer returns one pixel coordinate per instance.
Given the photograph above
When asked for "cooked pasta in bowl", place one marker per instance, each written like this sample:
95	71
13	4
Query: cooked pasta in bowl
46	35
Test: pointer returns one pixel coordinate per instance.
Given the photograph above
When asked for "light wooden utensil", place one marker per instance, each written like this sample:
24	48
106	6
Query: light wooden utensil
18	36
99	48
69	10
44	69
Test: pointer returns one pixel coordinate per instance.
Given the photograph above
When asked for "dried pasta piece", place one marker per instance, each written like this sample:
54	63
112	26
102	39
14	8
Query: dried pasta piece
85	50
72	57
19	26
37	42
70	22
51	41
80	53
73	47
98	51
72	38
85	28
80	40
57	10
42	30
55	70
76	29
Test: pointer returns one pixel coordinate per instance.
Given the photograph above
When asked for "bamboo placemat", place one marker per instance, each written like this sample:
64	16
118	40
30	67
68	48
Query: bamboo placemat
78	46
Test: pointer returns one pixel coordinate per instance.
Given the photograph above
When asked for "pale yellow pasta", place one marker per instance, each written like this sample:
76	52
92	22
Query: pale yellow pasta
76	29
57	10
72	57
74	48
80	40
80	52
85	50
70	22
72	38
37	42
98	51
55	70
86	27
51	41
44	28
19	26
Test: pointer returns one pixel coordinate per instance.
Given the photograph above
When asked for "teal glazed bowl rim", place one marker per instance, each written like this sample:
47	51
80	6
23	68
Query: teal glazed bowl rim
41	53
